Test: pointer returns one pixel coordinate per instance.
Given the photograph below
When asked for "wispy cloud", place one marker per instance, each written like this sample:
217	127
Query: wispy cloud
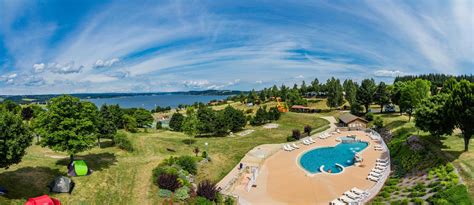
183	45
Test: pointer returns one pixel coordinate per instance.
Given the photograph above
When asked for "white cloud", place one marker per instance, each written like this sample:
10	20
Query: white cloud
39	67
259	82
388	73
67	68
106	63
299	77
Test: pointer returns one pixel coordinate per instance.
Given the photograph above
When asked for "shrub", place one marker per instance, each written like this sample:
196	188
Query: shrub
176	121
182	193
122	142
164	193
207	189
290	139
369	116
168	181
204	155
454	195
449	167
188	163
163	169
159	125
378	122
202	201
308	129
229	201
296	134
418	201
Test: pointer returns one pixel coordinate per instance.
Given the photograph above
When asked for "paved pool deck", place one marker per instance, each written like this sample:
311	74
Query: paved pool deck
282	181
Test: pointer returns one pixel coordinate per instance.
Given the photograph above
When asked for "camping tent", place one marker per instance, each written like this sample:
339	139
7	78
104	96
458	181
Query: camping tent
43	200
78	168
61	185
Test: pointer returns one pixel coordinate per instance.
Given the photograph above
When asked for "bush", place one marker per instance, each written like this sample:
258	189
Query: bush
204	155
202	201
296	134
182	193
163	169
454	195
290	139
308	129
378	122
122	142
168	181
229	201
369	116
207	189
159	125
164	193
188	163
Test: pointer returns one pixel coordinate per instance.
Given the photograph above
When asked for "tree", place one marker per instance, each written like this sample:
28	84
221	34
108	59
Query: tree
396	94
129	123
274	114
315	85
460	107
27	113
334	93
143	118
176	121
412	94
382	95
190	125
293	97
303	88
366	92
10	106
350	89
68	125
106	125
260	117
432	116
207	120
14	139
236	118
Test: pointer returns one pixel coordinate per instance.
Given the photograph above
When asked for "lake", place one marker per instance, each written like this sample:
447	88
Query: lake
151	101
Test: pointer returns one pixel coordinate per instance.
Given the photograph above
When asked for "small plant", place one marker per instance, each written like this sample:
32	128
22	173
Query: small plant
369	116
196	151
290	139
203	201
204	155
164	193
229	201
307	130
296	134
122	142
188	163
168	181
378	122
207	189
182	193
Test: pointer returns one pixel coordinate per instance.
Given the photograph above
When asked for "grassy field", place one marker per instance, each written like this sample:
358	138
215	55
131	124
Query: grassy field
125	178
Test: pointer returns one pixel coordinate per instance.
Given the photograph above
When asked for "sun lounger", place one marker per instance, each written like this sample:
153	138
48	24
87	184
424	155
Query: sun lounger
380	167
378	149
378	171
358	191
311	140
372	178
351	195
378	146
382	160
375	174
295	146
346	199
336	202
338	131
288	148
381	164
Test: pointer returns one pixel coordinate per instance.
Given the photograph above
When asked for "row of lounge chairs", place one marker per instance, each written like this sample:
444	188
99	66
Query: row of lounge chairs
308	141
290	147
378	148
377	172
353	196
324	135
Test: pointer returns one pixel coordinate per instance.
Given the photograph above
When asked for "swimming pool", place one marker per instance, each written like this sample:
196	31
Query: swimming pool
342	154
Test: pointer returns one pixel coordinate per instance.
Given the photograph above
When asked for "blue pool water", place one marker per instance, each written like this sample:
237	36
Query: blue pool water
342	154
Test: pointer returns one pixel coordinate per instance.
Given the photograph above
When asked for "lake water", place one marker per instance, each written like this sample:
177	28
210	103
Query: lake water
151	101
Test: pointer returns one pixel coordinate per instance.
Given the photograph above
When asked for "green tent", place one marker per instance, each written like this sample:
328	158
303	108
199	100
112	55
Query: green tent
80	167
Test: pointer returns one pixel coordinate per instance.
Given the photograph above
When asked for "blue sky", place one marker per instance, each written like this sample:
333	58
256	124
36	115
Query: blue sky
56	46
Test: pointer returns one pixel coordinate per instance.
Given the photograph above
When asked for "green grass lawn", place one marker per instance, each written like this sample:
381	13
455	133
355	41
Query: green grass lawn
125	178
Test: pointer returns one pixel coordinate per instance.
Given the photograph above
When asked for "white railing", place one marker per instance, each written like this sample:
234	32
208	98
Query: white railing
374	190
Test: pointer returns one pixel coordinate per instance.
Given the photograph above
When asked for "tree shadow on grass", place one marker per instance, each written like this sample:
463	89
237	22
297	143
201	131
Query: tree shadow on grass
395	124
96	162
28	182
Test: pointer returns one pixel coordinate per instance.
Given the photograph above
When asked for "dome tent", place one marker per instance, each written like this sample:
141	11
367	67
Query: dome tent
43	200
61	185
78	168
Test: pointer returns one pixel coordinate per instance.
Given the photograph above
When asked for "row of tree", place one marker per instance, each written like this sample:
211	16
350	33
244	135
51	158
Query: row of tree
206	121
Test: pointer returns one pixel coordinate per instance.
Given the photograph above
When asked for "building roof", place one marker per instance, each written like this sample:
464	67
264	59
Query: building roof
348	117
299	107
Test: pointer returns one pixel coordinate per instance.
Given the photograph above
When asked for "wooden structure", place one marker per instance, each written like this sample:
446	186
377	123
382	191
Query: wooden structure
300	108
352	122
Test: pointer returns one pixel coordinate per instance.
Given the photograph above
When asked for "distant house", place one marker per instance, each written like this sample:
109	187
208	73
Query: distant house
300	108
352	121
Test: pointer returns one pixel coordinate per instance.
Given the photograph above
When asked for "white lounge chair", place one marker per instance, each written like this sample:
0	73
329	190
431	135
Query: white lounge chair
374	174
288	148
378	146
336	202
372	178
380	167
338	131
382	160
381	164
311	140
379	149
378	171
346	199
359	191
295	146
352	195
